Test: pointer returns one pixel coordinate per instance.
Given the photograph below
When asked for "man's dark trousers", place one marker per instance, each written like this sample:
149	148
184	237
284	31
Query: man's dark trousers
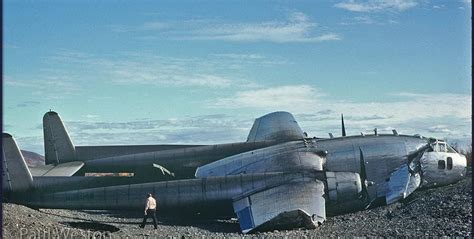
149	213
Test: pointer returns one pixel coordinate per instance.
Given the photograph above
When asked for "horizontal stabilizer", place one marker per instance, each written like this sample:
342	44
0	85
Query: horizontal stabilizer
277	126
286	206
63	169
16	176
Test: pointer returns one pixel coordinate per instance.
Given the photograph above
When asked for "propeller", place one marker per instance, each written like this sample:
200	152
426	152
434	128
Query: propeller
363	178
363	174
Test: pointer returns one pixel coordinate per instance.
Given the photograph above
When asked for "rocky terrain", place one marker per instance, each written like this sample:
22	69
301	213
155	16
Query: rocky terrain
444	211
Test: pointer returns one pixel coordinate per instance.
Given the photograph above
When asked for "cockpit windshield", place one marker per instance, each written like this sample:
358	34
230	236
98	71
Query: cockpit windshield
441	147
450	149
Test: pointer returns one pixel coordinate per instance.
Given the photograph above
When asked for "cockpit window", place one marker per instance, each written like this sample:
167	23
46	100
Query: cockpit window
450	149
441	164
442	147
438	147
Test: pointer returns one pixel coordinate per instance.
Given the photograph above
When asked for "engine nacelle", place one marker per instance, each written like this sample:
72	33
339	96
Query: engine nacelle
343	186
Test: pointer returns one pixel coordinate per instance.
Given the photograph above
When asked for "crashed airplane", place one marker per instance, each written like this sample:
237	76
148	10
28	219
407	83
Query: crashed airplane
278	179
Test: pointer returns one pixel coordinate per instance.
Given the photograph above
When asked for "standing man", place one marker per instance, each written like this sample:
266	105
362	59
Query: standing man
150	210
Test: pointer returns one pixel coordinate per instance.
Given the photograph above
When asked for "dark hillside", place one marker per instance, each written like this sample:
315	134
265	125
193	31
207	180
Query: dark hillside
32	159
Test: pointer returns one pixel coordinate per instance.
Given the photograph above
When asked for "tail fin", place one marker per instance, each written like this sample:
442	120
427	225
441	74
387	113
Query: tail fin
279	126
58	147
16	176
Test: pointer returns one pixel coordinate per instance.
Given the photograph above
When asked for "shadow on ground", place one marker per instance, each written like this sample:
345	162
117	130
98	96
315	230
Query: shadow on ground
93	226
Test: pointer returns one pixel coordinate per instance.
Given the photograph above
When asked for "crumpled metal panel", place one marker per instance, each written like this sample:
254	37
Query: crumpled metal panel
414	183
278	126
401	184
286	206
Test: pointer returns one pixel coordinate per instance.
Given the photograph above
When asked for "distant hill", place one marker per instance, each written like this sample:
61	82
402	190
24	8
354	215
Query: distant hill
32	159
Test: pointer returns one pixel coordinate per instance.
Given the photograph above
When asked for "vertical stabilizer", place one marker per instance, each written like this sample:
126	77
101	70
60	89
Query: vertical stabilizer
16	177
278	126
58	147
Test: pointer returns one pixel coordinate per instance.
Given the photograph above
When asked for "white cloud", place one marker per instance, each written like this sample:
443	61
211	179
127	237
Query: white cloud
296	28
467	3
270	98
164	75
134	68
360	20
150	26
368	20
213	71
364	19
377	5
410	113
147	26
440	128
240	56
305	98
50	85
203	129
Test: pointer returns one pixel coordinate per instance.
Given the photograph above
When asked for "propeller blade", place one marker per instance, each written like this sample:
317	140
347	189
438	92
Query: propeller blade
363	173
363	178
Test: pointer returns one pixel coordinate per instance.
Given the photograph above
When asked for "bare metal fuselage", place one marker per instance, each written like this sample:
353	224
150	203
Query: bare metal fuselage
383	154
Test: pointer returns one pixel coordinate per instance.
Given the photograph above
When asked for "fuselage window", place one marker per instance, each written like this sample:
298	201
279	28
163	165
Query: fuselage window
449	163
441	164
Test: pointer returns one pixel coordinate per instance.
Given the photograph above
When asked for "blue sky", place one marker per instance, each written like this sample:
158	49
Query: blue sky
146	72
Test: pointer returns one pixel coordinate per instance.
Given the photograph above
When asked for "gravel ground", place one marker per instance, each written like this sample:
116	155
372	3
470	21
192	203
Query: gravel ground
444	211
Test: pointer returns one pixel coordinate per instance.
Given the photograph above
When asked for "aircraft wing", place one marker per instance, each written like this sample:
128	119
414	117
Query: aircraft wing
277	126
63	169
278	207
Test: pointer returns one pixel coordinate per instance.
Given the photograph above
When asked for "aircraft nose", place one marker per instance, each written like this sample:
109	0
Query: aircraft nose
442	168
